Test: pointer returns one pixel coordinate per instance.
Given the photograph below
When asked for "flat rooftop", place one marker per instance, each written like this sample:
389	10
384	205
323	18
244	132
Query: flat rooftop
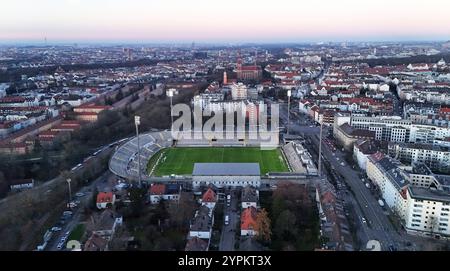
429	194
227	169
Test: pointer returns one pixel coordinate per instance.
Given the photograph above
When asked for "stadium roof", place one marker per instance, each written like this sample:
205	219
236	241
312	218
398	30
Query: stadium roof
227	169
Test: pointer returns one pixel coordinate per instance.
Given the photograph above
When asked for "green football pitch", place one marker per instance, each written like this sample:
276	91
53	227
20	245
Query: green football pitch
181	160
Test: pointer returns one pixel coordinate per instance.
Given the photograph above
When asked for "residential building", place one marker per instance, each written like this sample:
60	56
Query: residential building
333	222
202	223
248	222
347	135
249	197
238	91
428	211
385	173
105	198
196	244
96	243
435	157
158	192
209	199
362	149
427	133
104	224
393	129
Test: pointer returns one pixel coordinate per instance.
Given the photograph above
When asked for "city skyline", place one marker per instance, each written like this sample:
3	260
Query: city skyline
231	22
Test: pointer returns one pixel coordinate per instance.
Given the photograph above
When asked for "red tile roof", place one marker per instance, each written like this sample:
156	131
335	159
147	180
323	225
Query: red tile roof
157	189
103	197
250	68
248	218
445	110
209	196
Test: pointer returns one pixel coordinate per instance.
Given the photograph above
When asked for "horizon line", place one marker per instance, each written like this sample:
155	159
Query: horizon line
231	42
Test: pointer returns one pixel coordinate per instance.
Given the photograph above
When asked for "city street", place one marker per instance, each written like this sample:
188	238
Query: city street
74	220
371	219
228	235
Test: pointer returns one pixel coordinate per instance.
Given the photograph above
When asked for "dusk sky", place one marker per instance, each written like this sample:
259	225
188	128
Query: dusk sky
223	21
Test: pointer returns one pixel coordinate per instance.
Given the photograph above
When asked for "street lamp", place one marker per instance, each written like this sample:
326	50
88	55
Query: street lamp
289	108
70	191
170	92
137	122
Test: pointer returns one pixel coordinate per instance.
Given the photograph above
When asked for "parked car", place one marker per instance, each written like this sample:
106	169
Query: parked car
60	245
71	205
67	213
392	248
55	229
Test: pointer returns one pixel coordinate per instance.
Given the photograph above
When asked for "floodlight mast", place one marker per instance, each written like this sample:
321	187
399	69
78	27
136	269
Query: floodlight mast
137	122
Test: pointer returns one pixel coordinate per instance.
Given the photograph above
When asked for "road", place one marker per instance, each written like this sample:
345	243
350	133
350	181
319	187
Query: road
378	225
77	212
227	238
364	203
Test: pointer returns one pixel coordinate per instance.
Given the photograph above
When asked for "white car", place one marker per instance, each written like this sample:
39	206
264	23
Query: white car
67	213
363	220
80	194
55	229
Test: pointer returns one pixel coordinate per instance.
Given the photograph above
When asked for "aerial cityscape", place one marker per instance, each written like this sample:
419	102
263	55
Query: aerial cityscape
205	126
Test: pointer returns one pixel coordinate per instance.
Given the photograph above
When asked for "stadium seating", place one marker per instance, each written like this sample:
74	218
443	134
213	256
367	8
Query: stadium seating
124	162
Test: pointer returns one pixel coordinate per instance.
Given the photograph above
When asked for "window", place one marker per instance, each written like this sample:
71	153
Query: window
443	224
442	229
445	209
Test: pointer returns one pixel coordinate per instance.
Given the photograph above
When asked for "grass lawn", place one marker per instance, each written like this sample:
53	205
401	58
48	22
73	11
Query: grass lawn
77	233
181	160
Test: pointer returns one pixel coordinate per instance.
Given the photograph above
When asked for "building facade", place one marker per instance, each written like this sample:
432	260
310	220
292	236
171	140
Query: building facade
226	174
435	157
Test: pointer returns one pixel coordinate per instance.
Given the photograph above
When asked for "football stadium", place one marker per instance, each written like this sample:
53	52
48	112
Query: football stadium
161	156
181	160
